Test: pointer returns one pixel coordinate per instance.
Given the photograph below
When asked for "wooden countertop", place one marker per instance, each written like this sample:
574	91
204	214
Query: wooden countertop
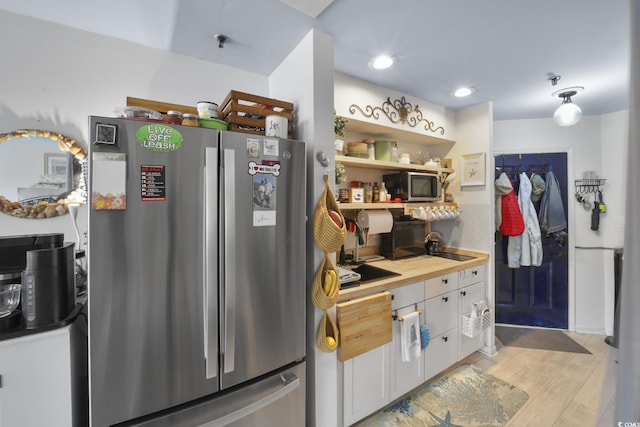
412	270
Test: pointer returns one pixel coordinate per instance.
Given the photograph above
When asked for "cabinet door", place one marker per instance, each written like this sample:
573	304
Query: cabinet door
36	380
468	296
441	313
404	376
441	353
366	383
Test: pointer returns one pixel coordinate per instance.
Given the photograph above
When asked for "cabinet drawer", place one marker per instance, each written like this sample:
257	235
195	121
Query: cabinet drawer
472	275
440	285
441	353
441	313
407	295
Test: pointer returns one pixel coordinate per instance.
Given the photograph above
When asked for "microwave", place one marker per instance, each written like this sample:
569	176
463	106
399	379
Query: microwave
413	186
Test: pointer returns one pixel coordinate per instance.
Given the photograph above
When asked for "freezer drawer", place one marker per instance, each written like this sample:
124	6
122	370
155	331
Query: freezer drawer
277	400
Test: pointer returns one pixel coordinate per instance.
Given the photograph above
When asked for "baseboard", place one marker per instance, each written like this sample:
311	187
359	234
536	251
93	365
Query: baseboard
489	350
587	330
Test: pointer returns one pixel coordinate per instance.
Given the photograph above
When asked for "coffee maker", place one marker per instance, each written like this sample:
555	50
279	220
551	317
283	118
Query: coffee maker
44	265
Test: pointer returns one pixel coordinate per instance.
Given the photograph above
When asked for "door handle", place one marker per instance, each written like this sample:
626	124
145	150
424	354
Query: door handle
210	255
288	383
229	287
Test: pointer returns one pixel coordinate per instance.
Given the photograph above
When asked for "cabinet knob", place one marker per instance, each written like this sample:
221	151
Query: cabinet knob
463	293
474	272
445	338
445	281
445	299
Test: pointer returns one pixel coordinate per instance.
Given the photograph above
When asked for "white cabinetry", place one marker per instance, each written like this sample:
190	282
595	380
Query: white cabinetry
405	376
472	283
366	383
378	377
375	378
441	316
36	381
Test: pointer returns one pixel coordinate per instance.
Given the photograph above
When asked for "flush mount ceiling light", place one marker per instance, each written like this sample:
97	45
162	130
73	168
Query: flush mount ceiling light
382	62
568	113
462	92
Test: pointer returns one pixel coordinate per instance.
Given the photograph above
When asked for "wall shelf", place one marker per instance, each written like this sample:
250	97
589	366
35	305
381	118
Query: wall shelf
357	162
381	132
391	205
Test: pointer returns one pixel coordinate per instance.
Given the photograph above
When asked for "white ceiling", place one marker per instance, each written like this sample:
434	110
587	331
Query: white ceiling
503	48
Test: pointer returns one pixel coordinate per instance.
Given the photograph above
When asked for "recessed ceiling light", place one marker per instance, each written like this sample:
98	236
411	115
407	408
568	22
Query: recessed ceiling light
463	91
381	62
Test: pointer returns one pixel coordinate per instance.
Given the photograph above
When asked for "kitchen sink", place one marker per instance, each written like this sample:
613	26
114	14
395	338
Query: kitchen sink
369	273
454	256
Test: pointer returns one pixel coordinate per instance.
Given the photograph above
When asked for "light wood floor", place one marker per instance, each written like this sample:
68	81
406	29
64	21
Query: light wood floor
565	389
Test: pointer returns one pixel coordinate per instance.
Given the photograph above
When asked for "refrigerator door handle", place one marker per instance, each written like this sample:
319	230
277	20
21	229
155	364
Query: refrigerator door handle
210	262
229	326
288	382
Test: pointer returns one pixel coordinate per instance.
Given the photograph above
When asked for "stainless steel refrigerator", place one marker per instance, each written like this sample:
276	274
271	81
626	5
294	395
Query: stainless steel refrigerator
196	272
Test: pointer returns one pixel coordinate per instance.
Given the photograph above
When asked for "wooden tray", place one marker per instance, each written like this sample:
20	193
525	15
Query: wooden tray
246	113
364	324
161	107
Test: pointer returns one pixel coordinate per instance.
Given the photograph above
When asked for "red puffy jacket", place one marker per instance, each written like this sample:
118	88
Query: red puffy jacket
512	222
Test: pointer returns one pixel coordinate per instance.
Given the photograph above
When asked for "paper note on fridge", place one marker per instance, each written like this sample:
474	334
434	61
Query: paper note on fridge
109	181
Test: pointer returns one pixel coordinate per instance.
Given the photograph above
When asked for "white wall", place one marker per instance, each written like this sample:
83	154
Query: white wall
596	143
306	78
54	77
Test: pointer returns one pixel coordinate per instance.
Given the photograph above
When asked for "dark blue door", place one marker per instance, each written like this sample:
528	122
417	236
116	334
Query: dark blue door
534	296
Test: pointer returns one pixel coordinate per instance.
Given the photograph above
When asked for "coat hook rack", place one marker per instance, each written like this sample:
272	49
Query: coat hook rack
592	185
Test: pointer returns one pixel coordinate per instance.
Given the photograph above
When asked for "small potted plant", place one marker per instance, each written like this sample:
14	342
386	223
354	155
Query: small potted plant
339	126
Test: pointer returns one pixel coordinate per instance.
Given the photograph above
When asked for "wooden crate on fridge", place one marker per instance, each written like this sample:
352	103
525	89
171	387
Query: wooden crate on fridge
245	112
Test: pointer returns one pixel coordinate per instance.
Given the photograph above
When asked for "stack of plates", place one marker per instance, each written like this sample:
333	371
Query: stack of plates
213	123
359	155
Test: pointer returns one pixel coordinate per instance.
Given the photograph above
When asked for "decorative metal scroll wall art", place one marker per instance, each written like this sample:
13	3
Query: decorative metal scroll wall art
398	111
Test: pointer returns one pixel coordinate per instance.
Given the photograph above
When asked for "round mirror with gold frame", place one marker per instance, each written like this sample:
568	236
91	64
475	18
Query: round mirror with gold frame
41	173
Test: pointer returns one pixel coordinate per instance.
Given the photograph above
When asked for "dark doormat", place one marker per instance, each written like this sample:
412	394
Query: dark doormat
541	339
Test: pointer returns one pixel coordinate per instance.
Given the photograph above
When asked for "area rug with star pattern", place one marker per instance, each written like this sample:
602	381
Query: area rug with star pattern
464	397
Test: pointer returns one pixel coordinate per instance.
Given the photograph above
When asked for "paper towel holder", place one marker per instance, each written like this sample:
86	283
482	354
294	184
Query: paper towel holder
395	316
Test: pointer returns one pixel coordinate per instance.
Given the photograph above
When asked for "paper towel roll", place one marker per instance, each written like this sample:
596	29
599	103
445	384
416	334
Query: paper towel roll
377	221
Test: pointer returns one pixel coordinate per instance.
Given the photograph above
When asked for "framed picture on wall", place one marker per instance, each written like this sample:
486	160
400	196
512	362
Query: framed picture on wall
472	170
55	164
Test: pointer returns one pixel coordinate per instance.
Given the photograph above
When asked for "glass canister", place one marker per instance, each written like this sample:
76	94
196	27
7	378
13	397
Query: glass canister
189	119
394	151
371	150
174	117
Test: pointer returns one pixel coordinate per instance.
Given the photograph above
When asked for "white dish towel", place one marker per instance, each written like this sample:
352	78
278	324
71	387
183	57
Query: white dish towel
410	336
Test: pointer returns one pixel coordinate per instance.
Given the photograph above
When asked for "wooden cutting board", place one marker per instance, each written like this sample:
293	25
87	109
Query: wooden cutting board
364	324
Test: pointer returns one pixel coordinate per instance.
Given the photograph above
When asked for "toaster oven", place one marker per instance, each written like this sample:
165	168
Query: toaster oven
406	239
